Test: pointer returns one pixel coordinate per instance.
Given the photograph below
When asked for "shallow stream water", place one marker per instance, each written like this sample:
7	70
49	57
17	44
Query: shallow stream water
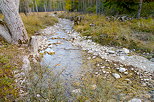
68	59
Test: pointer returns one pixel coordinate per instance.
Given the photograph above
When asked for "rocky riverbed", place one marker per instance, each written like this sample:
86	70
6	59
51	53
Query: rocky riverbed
88	69
74	53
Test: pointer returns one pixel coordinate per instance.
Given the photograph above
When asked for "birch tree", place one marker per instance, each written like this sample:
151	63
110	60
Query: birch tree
17	2
139	9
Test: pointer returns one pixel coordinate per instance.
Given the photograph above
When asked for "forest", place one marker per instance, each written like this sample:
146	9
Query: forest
105	7
76	50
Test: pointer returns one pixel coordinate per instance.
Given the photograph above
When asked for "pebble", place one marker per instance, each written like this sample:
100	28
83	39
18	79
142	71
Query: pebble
144	84
117	76
76	91
135	100
94	57
89	58
93	87
96	73
125	73
122	57
111	52
103	67
38	95
122	69
152	59
126	50
97	65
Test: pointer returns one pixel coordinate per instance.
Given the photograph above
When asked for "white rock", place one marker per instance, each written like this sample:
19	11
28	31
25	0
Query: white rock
122	69
135	100
94	57
111	52
93	87
26	64
96	73
103	67
76	91
117	76
97	65
126	73
152	59
126	50
89	58
38	95
122	57
104	71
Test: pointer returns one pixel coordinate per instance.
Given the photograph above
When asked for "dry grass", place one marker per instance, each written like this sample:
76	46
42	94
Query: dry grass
10	60
10	55
36	21
43	85
143	25
135	34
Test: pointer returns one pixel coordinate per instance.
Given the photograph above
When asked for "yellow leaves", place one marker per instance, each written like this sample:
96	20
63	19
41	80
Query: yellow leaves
57	64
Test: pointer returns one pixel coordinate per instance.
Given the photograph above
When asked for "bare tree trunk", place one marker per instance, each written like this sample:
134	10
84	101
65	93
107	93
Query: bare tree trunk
45	7
97	7
4	32
13	21
27	9
139	9
17	2
36	7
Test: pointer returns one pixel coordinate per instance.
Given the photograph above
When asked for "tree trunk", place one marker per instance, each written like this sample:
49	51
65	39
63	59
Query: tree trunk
139	9
97	7
36	7
4	32
17	2
45	7
13	21
27	9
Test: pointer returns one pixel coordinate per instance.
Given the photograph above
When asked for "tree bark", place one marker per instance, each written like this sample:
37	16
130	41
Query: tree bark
45	7
4	32
36	7
26	8
139	9
13	21
17	2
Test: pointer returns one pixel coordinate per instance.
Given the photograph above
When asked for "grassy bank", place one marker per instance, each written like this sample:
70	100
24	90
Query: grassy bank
10	60
37	21
136	34
11	55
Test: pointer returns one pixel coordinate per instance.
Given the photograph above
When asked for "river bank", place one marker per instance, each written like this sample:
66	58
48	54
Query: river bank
63	65
108	62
